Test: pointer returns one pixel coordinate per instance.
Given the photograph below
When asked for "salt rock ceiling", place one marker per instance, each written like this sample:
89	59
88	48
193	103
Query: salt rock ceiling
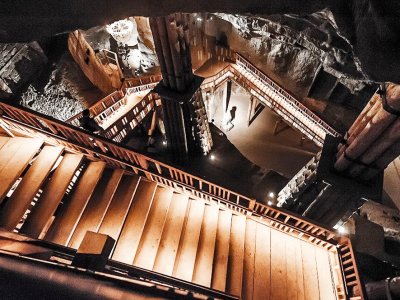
371	26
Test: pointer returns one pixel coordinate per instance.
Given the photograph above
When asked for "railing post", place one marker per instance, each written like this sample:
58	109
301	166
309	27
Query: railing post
252	204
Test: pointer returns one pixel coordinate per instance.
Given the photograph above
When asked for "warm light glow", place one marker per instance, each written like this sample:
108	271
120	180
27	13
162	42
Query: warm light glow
164	143
271	194
199	19
212	157
269	203
341	230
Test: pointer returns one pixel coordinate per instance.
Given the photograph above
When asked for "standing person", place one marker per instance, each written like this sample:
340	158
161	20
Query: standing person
88	123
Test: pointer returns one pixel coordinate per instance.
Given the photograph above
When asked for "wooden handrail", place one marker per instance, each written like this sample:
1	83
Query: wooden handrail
115	154
284	93
316	132
119	129
137	81
350	274
97	147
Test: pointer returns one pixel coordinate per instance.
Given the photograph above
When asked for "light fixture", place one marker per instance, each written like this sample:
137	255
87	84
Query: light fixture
271	194
199	19
269	203
341	230
164	143
212	156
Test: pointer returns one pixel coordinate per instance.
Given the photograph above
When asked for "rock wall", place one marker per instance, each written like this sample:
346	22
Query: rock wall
18	64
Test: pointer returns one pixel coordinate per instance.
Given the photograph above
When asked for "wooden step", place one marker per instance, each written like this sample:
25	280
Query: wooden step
172	231
52	194
186	256
119	206
299	269
147	250
310	272
15	156
97	205
65	222
291	266
325	279
249	257
262	263
236	255
3	141
205	252
220	267
16	206
278	265
129	239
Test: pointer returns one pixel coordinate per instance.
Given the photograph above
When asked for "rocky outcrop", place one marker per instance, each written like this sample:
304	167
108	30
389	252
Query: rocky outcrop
371	26
296	48
18	64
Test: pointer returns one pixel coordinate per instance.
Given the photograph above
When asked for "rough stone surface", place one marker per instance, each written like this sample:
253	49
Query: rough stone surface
295	47
371	26
61	94
386	217
19	62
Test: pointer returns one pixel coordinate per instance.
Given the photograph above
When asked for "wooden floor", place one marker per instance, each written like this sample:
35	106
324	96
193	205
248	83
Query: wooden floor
158	228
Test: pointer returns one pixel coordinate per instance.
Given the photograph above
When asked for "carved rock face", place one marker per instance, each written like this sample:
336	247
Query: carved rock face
371	26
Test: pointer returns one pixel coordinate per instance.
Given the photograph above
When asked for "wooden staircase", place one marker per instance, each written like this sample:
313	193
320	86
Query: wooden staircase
51	194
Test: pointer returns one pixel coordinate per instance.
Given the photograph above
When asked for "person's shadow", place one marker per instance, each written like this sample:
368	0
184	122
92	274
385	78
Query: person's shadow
232	117
233	113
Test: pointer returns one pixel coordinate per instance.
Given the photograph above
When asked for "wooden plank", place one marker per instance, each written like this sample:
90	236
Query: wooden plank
119	206
15	156
129	239
64	224
3	141
291	279
52	194
16	206
147	250
205	252
171	235
236	255
311	288
97	205
325	280
262	263
221	255
186	256
248	264
299	270
278	265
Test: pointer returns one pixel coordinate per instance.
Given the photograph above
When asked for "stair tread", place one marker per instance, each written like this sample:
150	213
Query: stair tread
278	265
15	156
129	239
205	252
3	141
236	255
147	250
97	205
186	256
324	275
118	208
248	262
262	263
20	200
222	250
64	224
52	194
169	243
310	272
